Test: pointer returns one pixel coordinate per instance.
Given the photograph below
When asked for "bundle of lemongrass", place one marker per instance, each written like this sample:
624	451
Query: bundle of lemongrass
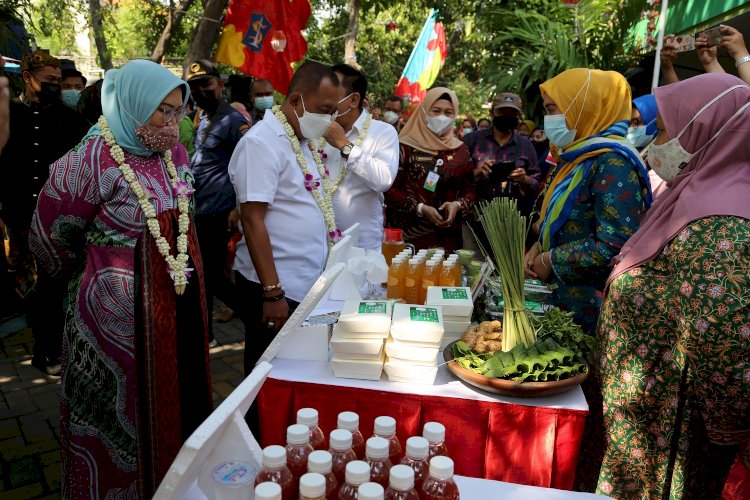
506	230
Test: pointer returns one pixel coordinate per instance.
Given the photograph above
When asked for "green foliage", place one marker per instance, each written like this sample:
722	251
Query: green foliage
134	28
55	24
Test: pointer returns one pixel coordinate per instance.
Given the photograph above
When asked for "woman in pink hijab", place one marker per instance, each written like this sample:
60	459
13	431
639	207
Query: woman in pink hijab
674	332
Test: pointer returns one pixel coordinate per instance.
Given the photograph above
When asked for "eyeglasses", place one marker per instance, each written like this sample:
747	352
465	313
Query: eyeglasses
168	112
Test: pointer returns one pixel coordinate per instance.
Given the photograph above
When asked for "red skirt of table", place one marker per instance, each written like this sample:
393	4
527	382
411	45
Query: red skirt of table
531	445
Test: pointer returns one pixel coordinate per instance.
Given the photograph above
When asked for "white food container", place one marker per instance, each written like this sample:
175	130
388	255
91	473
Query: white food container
455	301
456	327
413	374
411	353
346	347
365	317
358	369
415	323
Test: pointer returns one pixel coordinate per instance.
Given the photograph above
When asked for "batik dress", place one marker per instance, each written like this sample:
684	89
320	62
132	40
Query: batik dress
135	379
456	183
604	216
674	359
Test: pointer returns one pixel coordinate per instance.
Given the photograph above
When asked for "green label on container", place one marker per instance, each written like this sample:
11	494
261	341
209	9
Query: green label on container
428	314
372	308
455	294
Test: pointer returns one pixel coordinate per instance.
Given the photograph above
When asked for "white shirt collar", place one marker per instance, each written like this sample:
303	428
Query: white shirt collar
357	127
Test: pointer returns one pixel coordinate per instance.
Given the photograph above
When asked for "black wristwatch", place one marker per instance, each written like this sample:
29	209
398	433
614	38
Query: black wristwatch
347	150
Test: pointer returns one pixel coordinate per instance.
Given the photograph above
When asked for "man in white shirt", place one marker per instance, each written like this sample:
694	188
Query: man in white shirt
368	151
284	247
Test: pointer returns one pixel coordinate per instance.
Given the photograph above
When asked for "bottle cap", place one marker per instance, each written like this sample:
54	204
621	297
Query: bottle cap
377	447
413	261
402	477
268	491
370	491
312	485
308	417
341	440
274	456
441	467
434	432
417	448
422	251
348	420
357	472
319	461
297	434
385	426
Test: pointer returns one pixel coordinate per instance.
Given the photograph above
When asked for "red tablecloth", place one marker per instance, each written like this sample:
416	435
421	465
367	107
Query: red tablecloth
531	445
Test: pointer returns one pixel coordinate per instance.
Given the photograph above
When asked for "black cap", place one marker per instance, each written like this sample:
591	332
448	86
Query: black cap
202	69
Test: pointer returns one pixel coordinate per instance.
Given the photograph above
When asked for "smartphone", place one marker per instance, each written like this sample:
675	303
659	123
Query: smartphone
501	170
712	36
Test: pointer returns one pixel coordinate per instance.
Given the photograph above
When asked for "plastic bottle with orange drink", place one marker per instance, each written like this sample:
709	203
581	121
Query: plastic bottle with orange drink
396	275
447	273
430	277
413	281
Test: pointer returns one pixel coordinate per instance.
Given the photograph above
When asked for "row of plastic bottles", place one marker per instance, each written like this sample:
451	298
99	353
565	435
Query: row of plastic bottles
349	462
410	277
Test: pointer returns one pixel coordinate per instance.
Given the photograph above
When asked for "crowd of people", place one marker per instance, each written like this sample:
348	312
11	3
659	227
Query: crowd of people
130	203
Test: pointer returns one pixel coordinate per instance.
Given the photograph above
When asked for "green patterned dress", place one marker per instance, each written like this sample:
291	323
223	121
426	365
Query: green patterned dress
674	360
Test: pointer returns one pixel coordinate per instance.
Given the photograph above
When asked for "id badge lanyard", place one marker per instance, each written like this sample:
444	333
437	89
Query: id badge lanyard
433	177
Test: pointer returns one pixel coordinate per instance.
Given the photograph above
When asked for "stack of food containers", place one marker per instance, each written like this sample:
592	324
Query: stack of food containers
457	309
416	334
358	337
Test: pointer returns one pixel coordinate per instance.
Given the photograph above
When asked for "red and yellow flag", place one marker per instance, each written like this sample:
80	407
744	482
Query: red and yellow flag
263	38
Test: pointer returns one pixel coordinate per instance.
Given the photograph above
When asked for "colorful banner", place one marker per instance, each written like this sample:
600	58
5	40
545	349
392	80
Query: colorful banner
424	63
263	38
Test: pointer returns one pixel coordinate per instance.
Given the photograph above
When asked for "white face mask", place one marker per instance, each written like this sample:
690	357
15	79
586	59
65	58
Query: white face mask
313	125
439	124
670	158
468	131
390	117
556	127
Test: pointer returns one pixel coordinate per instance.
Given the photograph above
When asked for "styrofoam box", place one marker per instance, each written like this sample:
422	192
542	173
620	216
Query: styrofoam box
413	374
456	319
417	323
406	352
343	334
455	301
365	316
358	369
368	348
456	326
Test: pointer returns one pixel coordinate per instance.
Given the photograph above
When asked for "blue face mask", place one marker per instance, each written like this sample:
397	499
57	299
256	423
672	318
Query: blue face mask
557	130
70	97
263	103
638	137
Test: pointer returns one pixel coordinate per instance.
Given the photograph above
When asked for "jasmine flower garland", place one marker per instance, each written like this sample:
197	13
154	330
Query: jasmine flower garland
176	266
324	200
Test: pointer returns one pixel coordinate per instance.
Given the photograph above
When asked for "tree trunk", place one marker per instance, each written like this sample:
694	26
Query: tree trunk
102	52
206	32
350	40
173	23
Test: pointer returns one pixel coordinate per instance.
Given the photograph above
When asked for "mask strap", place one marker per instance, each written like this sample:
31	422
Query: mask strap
708	105
735	115
586	84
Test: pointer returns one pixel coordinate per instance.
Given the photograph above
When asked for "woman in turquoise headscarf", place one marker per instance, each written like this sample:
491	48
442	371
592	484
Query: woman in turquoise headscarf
114	219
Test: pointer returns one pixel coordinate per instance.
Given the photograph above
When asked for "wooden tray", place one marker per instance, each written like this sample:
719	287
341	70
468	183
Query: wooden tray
510	387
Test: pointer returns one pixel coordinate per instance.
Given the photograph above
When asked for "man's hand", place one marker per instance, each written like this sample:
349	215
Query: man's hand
483	170
668	55
450	208
4	112
707	55
276	312
733	41
335	136
519	175
233	221
432	215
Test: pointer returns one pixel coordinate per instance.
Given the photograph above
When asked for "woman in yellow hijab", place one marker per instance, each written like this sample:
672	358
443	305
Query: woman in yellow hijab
594	198
434	187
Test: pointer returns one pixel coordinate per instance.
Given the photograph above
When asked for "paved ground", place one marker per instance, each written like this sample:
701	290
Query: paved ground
29	435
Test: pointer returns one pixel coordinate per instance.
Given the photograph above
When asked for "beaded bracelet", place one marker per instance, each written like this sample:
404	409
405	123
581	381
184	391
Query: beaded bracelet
271	288
275	298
